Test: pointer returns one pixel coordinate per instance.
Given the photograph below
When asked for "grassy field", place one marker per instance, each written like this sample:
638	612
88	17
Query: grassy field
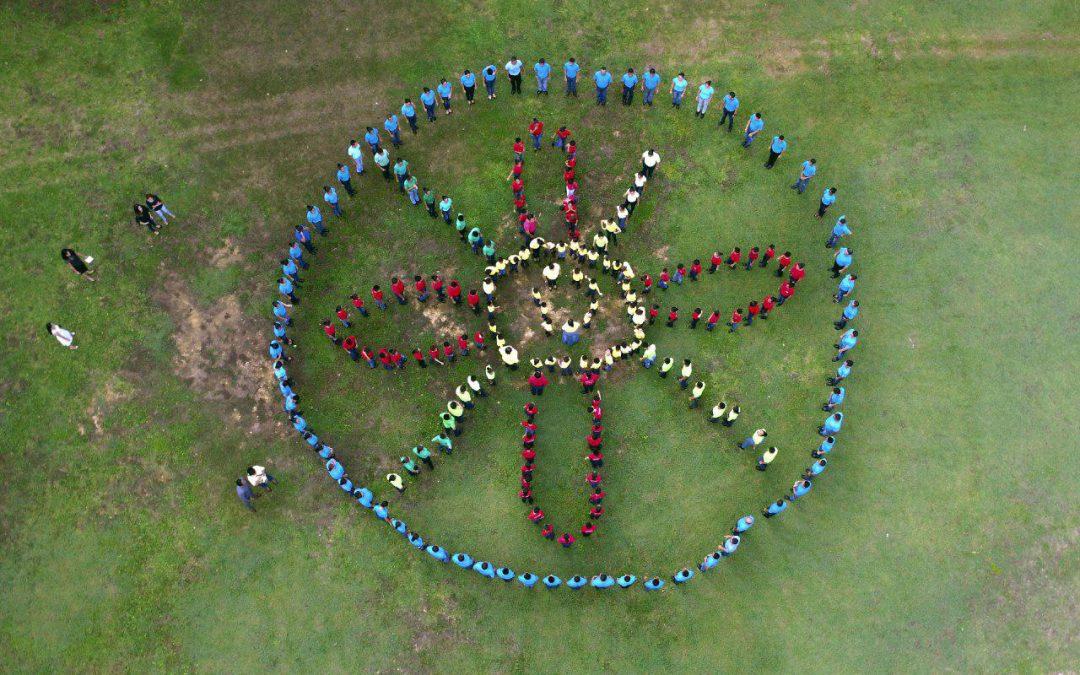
941	538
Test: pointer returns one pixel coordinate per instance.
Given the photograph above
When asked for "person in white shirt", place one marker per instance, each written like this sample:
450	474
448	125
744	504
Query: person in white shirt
649	160
551	274
509	357
357	156
62	335
513	69
631	197
257	477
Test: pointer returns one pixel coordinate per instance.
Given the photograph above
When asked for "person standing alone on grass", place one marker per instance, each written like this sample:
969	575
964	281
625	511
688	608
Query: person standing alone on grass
777	148
62	335
78	264
731	106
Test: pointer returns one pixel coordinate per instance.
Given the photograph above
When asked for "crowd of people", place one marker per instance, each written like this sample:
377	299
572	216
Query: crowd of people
591	256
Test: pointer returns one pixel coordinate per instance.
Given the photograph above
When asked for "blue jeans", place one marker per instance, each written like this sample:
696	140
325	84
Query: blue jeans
676	97
601	95
336	209
747	140
414	196
541	84
647	362
490	86
446	102
430	110
647	96
395	137
412	123
729	117
536	140
800	185
319	227
833	240
571	85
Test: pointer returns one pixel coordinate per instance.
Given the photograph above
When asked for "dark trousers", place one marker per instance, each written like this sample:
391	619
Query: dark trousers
627	95
515	84
772	159
728	115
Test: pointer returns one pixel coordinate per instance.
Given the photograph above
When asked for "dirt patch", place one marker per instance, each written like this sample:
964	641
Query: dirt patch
226	256
214	351
782	60
445	326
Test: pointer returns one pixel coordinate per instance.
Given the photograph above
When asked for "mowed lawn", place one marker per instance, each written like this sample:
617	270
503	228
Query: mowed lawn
943	536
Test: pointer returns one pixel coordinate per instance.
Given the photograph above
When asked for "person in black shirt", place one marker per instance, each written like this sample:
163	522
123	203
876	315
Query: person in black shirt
77	263
158	208
143	217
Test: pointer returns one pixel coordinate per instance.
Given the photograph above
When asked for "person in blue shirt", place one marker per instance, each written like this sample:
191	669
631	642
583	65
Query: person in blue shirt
626	581
575	582
775	508
314	216
570	71
683	575
285	287
730	545
543	71
297	254
437	552
743	524
468	83
552	581
842	261
484	569
372	138
345	179
847	342
279	333
809	168
490	73
678	89
505	573
408	111
602	78
602	581
777	148
364	497
654	584
445	90
303	237
427	98
275	350
629	81
381	511
847	285
816	469
840	229
710	561
243	491
754	125
290	270
416	540
393	128
281	311
799	489
331	198
731	106
649	83
842	372
849	314
825	447
704	95
335	469
832	424
527	579
836	397
462	560
827	199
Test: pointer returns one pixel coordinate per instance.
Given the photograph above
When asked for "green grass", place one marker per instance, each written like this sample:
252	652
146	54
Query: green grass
942	537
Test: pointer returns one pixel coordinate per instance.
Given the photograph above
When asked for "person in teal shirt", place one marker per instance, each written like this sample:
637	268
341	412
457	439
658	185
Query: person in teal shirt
505	573
799	489
446	205
412	189
575	582
437	552
836	397
445	444
849	314
484	569
468	83
570	71
841	261
552	581
847	342
806	172
392	127
345	178
331	198
678	89
825	447
401	171
629	81
832	424
649	82
754	125
602	78
489	251
372	138
490	73
816	469
775	508
445	90
314	216
527	579
846	285
840	229
777	148
543	72
683	575
602	581
476	239
827	199
427	97
462	560
731	106
654	584
704	95
626	581
842	372
408	110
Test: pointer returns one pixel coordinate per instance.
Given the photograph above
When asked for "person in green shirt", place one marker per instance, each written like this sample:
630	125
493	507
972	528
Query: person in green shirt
409	465
382	160
412	190
475	239
445	206
401	171
429	201
489	251
445	444
424	455
449	423
460	225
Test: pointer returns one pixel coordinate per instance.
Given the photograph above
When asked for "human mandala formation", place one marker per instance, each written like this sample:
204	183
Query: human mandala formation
588	261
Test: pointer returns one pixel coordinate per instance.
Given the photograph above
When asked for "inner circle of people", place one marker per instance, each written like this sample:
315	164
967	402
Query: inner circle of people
585	259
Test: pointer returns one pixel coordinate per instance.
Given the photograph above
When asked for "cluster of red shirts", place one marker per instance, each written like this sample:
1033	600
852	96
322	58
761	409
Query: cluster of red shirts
526	220
596	460
755	258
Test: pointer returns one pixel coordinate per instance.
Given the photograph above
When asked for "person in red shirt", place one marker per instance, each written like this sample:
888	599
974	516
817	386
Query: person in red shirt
767	257
597	496
786	291
714	319
525	495
736	319
519	150
584	379
783	261
385	359
530	411
767	305
516	171
695	270
568	176
342	315
695	316
519	203
752	258
537	382
734	257
528	439
528	454
672	317
752	311
571	161
434	352
536	515
399	358
419	356
593	479
593	441
358	304
448	351
517	187
421	288
536	130
646	284
587	529
454	291
665	279
463	344
530	427
548	532
397	287
561	137
571	219
797	273
437	286
478	340
571	149
331	331
566	539
715	260
368	355
596	459
473	300
595	512
654	312
349	345
377	295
